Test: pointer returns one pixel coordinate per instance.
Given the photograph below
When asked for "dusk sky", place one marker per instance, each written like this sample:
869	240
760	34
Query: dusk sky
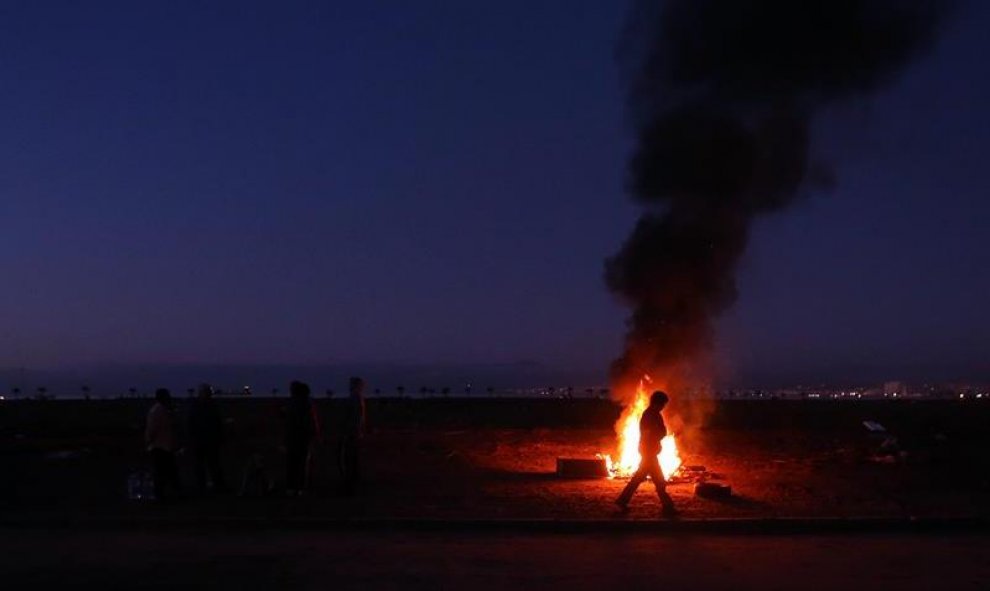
439	183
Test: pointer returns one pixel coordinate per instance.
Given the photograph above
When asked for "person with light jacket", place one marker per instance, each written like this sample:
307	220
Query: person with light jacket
161	440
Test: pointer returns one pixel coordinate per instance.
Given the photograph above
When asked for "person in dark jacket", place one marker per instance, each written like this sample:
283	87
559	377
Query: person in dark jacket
352	431
651	431
301	428
206	437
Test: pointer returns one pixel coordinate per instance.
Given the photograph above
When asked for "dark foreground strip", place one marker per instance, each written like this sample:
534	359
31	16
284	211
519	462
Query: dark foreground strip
778	526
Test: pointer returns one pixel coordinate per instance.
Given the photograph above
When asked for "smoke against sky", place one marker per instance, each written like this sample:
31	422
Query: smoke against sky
723	95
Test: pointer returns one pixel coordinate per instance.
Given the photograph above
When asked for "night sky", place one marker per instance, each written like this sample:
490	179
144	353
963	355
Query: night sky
439	183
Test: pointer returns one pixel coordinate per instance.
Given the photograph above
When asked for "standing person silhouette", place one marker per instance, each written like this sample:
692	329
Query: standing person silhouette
651	431
206	437
162	441
355	424
301	427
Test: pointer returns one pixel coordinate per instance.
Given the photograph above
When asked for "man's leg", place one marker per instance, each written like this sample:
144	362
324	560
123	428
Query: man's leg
290	469
656	475
631	487
300	458
294	467
307	467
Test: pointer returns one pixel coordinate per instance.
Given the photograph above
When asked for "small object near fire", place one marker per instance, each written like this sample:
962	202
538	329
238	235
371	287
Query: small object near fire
693	468
874	427
581	468
713	490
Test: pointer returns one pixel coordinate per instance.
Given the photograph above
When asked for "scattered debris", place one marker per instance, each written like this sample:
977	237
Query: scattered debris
581	468
874	427
713	490
889	450
692	474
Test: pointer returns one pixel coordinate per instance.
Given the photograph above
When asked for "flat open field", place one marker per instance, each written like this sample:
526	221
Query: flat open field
495	458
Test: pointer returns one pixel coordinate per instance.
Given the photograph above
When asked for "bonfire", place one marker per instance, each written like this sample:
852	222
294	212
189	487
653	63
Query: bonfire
627	431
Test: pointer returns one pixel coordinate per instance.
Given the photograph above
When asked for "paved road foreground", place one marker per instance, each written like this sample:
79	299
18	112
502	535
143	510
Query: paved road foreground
365	560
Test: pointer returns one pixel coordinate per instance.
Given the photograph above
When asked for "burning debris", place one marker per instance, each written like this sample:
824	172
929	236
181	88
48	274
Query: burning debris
722	95
713	490
582	468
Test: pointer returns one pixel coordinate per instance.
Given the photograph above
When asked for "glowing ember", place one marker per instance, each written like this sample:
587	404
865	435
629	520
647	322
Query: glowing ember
627	429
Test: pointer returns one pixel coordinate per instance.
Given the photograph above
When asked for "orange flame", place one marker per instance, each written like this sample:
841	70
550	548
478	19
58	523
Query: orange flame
627	429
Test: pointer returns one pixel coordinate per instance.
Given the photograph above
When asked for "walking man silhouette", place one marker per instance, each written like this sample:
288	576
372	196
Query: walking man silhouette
651	431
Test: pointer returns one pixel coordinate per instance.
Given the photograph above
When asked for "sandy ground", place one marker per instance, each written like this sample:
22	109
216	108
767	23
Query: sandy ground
44	559
444	461
496	459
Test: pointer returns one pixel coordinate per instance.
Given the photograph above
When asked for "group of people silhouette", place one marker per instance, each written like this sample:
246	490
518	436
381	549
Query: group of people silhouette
302	428
204	440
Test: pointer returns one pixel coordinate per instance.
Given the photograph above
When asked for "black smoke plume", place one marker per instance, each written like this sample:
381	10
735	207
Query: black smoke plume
722	94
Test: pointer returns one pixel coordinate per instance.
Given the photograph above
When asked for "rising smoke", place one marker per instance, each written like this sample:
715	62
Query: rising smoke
722	95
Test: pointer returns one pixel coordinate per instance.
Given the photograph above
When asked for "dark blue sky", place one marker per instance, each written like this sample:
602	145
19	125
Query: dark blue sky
439	182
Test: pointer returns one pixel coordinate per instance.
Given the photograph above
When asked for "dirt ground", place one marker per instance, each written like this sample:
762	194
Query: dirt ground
490	459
